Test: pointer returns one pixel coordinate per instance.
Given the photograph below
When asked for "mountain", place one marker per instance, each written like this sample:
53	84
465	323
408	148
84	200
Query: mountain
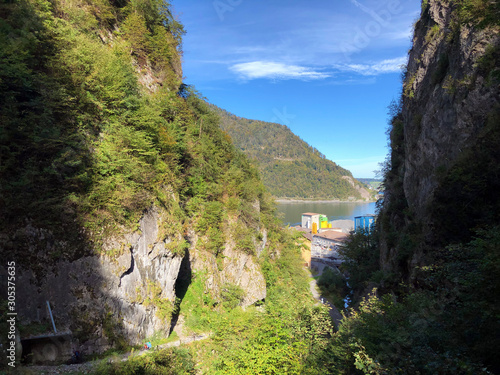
126	207
439	226
373	183
288	166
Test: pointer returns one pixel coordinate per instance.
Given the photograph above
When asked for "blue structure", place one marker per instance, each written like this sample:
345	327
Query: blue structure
364	222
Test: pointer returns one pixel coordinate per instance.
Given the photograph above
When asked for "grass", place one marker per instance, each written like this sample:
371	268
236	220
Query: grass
159	338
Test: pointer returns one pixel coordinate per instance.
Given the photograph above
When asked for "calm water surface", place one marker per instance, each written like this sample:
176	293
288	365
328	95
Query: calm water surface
291	212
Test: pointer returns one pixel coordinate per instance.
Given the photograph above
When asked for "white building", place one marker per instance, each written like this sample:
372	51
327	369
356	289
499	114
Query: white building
308	218
325	245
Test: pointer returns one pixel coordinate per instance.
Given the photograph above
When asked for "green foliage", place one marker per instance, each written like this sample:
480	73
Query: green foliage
466	269
361	258
333	286
407	337
424	5
479	13
487	65
137	34
274	353
446	327
408	89
288	337
178	247
442	67
164	362
164	307
288	166
42	152
432	33
232	295
245	238
112	328
86	148
198	305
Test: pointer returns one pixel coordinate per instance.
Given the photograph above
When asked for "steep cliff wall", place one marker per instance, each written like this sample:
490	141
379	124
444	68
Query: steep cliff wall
441	176
117	183
127	292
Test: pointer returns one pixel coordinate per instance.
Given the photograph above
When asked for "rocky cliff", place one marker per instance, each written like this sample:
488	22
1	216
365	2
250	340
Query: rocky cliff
442	174
126	293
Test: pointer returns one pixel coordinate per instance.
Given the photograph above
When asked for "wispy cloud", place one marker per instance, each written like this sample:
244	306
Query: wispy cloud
373	69
274	70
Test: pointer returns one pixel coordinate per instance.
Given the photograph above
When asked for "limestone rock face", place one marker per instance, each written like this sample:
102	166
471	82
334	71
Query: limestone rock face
447	100
242	269
450	100
127	292
365	194
236	267
102	299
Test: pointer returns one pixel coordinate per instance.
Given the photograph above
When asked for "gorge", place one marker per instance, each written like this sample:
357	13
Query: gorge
126	206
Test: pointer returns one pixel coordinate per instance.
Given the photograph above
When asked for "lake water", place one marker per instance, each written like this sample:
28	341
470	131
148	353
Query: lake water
291	212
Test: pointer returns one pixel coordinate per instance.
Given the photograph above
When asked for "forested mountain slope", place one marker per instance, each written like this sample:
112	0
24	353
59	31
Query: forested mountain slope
288	166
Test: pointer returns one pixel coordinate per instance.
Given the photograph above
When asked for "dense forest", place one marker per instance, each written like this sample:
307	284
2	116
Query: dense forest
125	205
289	167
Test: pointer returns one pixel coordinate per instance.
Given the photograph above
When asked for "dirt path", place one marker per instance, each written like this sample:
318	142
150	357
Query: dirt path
89	367
313	285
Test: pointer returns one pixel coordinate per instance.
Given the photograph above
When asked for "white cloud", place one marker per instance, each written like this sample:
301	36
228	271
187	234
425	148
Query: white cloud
373	69
273	70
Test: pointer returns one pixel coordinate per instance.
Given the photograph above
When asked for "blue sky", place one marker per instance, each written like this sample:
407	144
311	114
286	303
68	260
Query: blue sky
327	69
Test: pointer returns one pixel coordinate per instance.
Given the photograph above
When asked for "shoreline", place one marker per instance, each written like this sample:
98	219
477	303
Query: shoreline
292	200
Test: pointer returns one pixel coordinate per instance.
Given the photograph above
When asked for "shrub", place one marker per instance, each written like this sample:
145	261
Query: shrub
333	287
232	295
163	362
361	256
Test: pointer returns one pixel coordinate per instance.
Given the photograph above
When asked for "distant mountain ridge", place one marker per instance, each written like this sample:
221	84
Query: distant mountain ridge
373	183
289	167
